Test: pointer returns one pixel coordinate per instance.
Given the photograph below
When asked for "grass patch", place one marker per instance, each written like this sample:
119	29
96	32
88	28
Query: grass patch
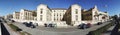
24	33
15	28
100	30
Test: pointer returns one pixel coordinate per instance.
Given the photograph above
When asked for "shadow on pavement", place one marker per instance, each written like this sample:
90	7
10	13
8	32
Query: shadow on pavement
4	30
115	30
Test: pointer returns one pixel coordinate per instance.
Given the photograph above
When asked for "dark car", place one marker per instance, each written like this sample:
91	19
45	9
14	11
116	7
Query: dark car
99	23
12	21
24	22
27	24
82	26
79	26
45	25
50	25
33	26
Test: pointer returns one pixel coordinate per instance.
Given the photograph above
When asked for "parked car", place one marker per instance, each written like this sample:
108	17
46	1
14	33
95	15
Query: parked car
50	25
79	26
54	25
33	26
99	23
12	21
82	26
24	22
89	25
36	24
28	24
45	25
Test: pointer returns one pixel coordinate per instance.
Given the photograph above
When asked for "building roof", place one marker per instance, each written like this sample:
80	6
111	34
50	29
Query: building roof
17	12
29	10
58	9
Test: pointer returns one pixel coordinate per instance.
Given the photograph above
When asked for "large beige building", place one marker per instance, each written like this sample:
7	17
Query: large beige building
93	15
26	14
74	15
43	13
57	14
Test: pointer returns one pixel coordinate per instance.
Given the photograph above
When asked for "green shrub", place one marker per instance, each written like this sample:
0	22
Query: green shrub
119	26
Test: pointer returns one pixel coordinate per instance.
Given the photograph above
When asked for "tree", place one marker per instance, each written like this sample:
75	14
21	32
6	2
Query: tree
115	17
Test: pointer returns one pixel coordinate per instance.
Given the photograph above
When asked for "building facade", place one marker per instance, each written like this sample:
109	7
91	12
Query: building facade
26	14
9	16
93	15
57	14
16	15
43	13
73	16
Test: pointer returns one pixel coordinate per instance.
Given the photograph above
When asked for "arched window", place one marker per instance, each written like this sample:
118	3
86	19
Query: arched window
41	11
76	11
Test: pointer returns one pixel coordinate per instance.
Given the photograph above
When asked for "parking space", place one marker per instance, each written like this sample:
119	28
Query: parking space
59	31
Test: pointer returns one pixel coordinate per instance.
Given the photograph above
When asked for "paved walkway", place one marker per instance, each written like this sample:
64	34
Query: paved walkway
10	30
57	31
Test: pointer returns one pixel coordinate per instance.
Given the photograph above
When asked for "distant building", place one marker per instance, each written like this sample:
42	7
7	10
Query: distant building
93	15
16	15
26	14
9	16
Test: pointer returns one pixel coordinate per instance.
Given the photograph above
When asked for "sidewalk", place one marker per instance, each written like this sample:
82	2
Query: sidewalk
10	30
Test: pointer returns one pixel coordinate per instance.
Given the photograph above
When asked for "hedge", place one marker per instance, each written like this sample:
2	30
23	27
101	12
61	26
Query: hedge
15	28
100	30
119	25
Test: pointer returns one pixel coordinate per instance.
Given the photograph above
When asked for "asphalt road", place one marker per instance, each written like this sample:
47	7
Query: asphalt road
57	31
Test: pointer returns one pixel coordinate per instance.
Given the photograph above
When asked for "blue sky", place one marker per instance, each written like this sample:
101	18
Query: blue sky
9	6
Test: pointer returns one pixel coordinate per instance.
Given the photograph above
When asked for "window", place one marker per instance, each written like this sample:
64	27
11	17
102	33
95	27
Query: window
54	10
26	13
41	17
76	11
76	17
54	14
54	19
57	14
41	11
